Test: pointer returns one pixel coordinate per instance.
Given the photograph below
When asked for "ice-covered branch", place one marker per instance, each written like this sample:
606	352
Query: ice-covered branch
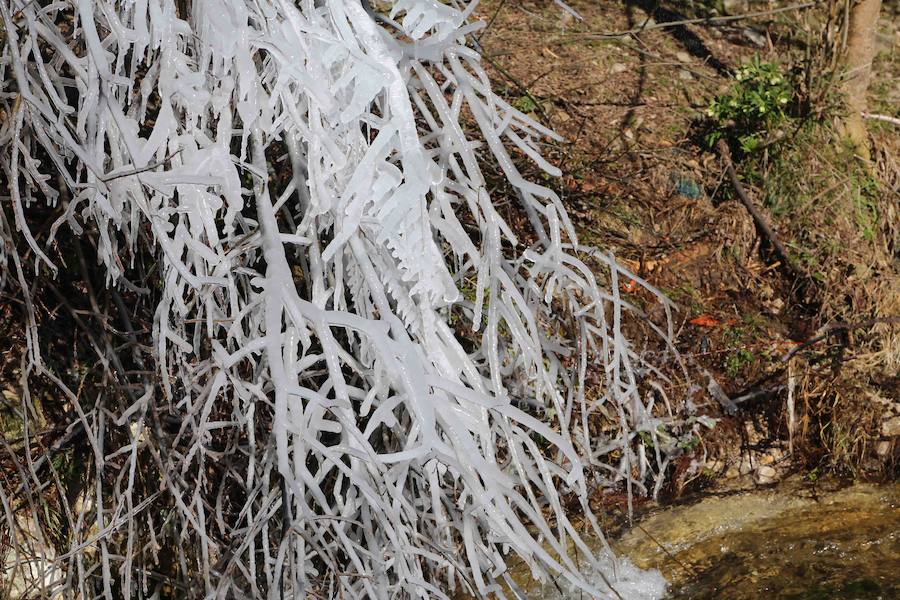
378	389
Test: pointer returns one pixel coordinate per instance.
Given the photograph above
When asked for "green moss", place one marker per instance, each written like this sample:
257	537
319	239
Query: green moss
736	361
11	425
525	104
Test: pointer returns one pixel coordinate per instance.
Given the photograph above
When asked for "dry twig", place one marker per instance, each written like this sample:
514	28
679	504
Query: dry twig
832	329
696	21
758	217
885	118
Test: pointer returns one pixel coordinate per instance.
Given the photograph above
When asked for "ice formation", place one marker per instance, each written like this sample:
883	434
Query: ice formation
387	383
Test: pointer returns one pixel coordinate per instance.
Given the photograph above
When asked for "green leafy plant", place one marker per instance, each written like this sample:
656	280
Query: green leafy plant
754	105
526	104
736	361
690	443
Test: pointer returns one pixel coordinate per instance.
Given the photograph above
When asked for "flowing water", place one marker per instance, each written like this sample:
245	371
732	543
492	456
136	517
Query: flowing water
788	542
781	543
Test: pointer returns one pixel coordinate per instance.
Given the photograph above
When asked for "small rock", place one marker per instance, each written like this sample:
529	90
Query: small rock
883	448
755	37
766	474
685	75
733	7
30	566
618	68
775	306
891	427
683	57
771	457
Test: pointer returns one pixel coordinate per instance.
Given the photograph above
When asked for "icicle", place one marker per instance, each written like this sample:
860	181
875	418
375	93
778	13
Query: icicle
326	245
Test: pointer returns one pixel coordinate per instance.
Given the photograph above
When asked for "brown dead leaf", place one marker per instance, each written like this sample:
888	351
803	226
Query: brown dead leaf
704	321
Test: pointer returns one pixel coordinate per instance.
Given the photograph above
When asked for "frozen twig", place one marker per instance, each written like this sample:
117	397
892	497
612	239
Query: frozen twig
366	385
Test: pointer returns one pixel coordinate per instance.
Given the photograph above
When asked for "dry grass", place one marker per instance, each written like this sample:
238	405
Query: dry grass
627	108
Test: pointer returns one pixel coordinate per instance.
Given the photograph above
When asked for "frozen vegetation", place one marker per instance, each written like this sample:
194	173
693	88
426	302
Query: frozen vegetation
393	377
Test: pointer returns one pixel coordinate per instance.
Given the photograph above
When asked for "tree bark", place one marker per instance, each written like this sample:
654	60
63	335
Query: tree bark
858	61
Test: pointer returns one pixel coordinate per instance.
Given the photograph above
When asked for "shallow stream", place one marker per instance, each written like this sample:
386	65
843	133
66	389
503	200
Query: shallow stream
788	542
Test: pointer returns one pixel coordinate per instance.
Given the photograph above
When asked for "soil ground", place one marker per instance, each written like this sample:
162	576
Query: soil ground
638	182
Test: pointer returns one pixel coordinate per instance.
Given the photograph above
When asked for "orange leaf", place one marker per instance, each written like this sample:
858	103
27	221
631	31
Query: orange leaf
631	286
704	321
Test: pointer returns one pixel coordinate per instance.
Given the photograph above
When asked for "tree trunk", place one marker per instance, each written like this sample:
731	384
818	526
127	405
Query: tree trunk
858	61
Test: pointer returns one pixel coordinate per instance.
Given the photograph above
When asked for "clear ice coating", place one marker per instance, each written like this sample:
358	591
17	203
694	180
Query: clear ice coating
325	235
